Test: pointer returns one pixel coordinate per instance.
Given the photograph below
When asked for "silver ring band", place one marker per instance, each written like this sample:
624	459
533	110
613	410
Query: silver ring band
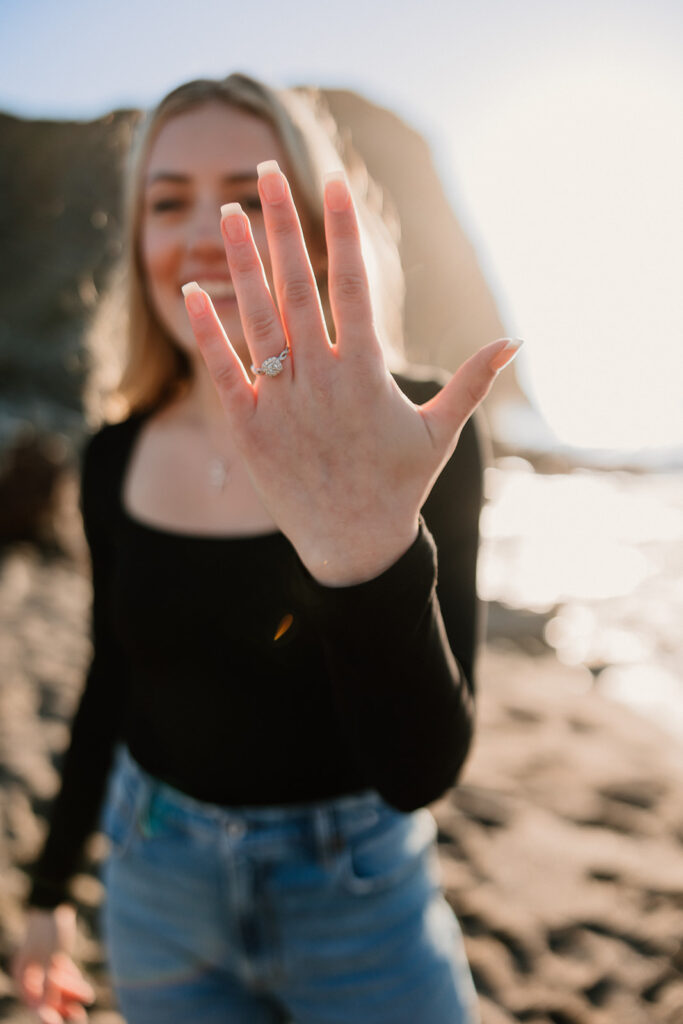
271	366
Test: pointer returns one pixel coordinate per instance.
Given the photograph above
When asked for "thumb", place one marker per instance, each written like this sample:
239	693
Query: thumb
446	414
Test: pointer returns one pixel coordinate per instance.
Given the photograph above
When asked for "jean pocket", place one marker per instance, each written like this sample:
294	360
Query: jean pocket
389	851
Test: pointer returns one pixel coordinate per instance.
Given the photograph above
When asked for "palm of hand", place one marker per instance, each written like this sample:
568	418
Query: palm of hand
343	466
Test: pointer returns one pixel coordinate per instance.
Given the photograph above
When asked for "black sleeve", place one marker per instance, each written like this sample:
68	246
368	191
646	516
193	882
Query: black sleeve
98	718
452	512
400	649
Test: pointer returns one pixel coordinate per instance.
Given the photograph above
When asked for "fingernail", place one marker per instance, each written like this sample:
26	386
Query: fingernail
337	196
271	181
195	299
232	217
506	354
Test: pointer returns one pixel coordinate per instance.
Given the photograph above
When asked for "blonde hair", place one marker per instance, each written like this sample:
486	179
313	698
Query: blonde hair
135	363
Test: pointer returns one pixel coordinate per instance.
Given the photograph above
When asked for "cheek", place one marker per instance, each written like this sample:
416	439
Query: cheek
259	232
160	254
159	258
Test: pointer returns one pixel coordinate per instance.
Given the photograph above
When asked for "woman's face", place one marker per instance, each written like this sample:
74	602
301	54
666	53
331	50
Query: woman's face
200	160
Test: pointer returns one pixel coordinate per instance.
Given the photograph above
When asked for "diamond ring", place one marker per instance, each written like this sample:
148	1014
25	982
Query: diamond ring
271	366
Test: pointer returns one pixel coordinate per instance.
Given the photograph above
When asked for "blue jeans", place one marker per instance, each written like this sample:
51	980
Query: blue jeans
322	913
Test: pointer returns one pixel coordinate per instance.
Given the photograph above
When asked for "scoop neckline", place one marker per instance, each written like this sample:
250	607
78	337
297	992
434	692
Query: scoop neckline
170	532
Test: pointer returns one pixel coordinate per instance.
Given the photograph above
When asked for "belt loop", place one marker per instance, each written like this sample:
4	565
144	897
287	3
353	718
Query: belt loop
144	805
142	788
329	840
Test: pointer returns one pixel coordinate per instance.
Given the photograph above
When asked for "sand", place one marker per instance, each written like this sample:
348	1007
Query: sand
561	850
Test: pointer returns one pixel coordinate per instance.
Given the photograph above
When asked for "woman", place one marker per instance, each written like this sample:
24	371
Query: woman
279	684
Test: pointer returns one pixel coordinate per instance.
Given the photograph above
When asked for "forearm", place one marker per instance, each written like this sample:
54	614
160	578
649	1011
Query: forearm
73	815
400	695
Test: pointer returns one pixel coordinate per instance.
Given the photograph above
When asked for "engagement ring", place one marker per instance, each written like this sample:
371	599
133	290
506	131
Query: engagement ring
271	366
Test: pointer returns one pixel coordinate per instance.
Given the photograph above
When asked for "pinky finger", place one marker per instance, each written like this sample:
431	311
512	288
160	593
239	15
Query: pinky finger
223	363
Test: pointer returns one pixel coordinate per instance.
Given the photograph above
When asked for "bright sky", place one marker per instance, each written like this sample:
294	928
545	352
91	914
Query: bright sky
557	128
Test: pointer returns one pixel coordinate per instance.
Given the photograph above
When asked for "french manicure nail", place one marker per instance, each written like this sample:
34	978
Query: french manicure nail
337	195
195	298
271	181
506	354
232	217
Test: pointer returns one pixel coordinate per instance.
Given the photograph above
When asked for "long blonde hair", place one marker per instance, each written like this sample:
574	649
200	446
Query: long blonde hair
135	363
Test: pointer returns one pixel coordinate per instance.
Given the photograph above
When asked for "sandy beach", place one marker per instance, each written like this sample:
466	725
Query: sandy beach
561	849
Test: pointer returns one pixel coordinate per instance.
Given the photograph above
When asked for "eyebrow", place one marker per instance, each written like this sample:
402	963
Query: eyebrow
184	179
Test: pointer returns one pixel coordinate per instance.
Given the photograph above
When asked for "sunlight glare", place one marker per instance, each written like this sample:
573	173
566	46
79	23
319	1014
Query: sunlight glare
574	180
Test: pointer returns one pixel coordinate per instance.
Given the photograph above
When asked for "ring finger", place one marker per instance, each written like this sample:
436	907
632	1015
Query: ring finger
261	322
295	285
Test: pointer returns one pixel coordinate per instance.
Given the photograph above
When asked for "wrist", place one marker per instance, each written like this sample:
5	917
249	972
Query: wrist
345	561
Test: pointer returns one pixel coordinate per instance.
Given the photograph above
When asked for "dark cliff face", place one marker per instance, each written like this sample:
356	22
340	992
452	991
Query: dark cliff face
60	229
60	220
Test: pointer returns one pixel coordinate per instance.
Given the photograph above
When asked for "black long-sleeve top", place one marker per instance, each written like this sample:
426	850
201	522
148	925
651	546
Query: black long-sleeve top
370	686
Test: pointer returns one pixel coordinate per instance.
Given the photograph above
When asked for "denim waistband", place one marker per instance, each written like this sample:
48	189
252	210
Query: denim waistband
331	821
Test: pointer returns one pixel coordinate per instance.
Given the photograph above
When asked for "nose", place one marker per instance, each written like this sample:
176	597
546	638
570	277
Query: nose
203	229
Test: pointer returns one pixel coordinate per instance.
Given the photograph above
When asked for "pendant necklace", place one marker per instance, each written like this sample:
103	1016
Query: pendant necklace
218	465
218	472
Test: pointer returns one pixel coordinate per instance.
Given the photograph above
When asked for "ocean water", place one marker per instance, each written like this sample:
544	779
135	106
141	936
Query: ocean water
599	553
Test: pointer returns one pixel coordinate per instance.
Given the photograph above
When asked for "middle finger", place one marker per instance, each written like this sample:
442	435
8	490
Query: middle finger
295	284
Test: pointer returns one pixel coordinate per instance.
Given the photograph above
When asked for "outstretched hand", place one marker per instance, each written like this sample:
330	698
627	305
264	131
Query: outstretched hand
342	460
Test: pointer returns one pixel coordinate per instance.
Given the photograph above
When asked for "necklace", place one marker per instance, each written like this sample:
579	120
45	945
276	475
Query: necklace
218	472
218	466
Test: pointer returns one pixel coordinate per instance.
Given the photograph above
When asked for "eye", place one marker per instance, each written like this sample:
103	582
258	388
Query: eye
251	203
167	204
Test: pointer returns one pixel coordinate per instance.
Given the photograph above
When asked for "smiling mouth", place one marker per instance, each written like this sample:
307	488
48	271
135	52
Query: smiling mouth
218	290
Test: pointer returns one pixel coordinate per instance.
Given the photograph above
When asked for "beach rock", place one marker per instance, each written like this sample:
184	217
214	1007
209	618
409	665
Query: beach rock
30	473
